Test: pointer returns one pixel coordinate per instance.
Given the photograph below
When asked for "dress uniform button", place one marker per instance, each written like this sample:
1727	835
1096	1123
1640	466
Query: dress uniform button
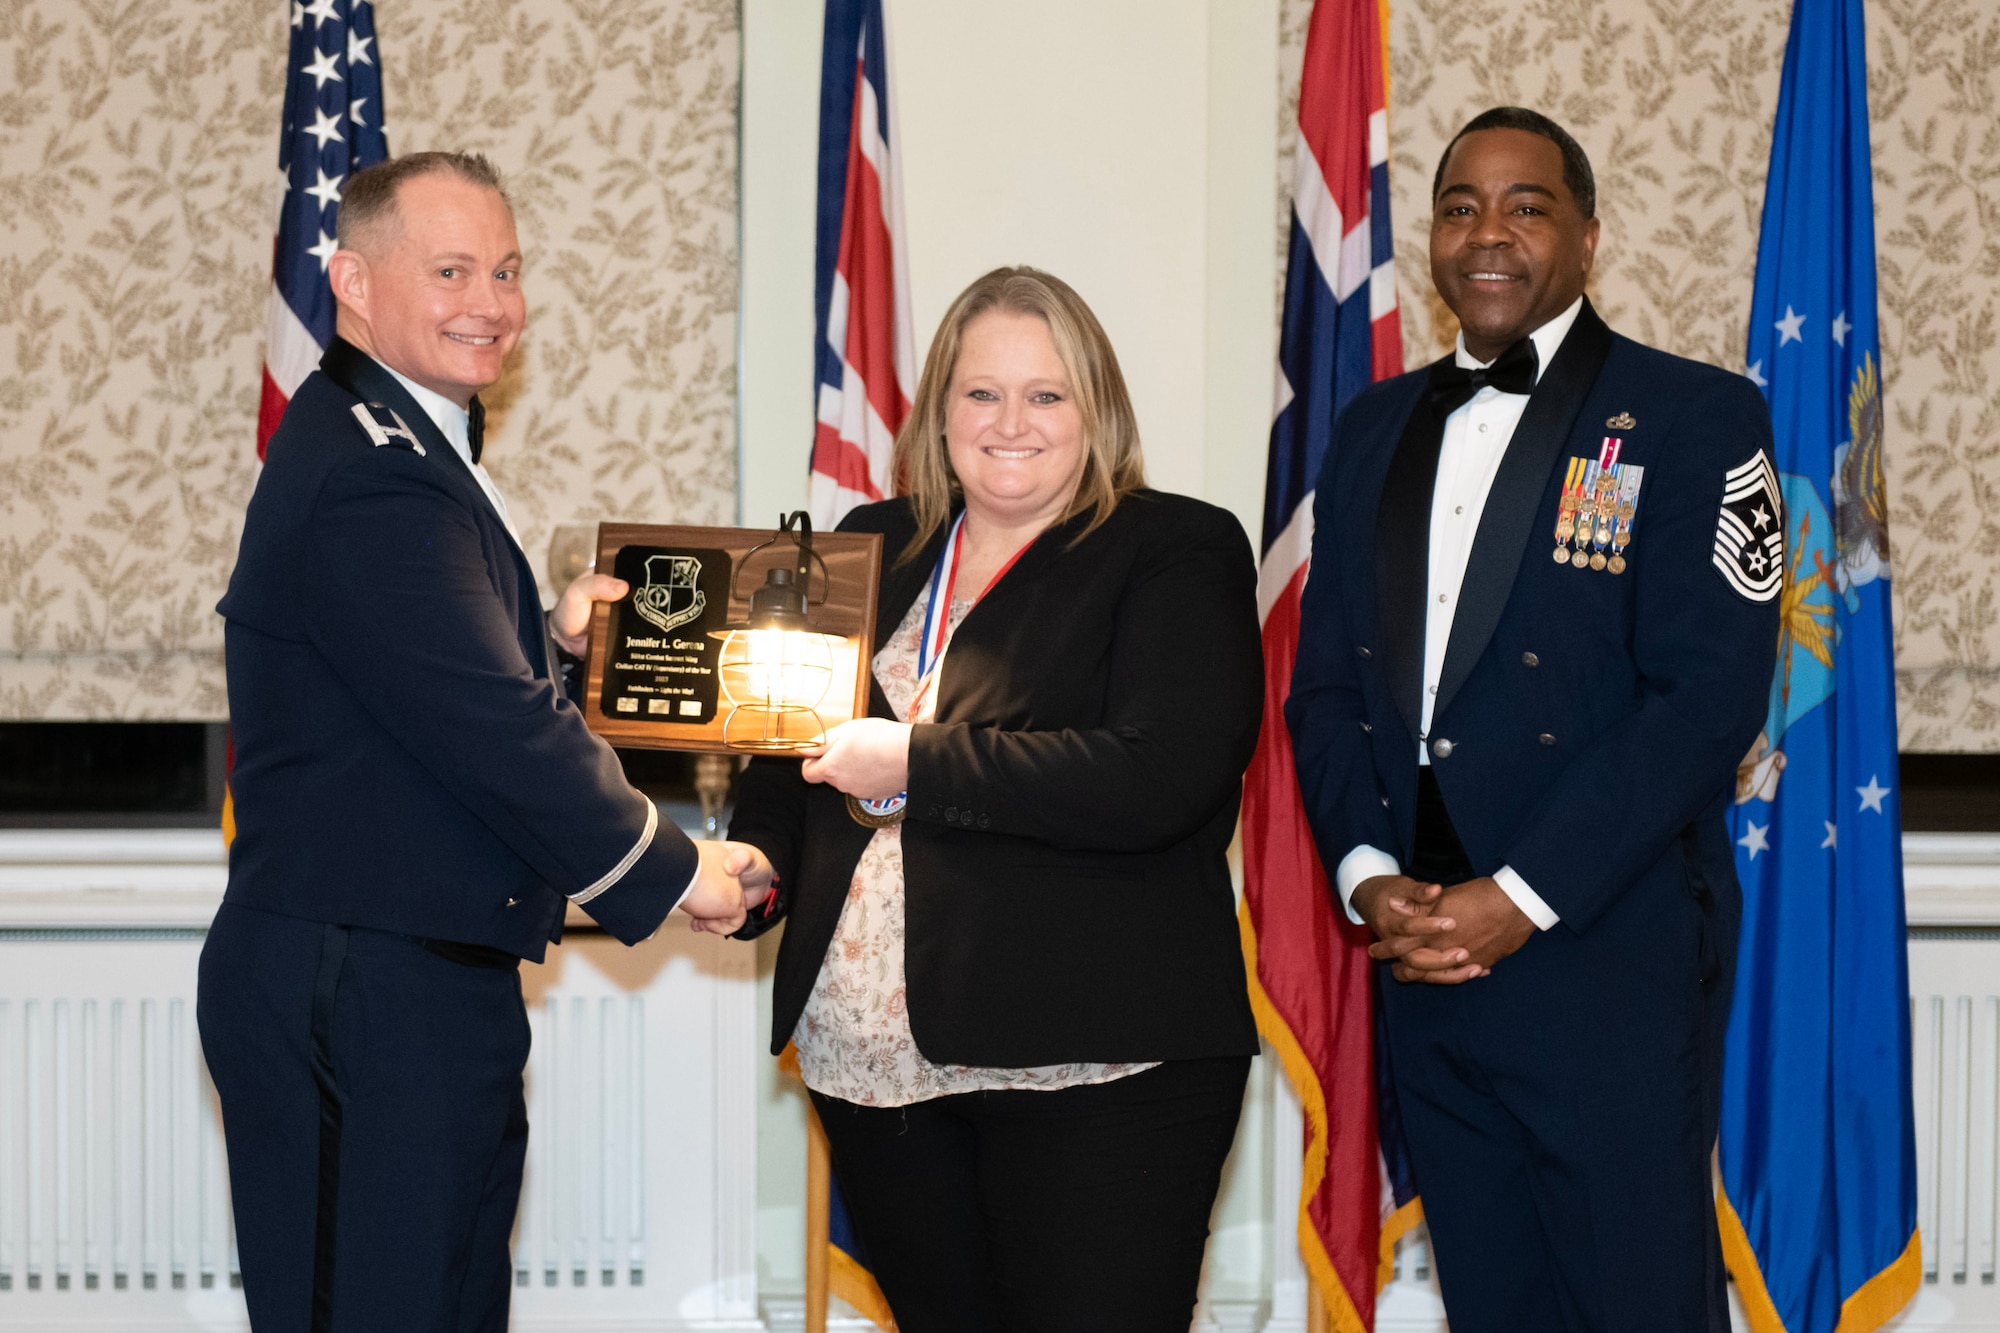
985	821
1546	739
951	814
1442	748
1385	803
1366	727
1362	652
1529	659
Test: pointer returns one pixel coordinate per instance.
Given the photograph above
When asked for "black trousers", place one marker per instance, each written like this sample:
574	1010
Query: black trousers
1084	1209
372	1110
1560	1112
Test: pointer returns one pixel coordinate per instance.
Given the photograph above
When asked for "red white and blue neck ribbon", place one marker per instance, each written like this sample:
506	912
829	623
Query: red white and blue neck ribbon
936	638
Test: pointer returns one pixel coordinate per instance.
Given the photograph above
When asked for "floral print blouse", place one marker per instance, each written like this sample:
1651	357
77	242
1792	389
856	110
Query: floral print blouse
854	1038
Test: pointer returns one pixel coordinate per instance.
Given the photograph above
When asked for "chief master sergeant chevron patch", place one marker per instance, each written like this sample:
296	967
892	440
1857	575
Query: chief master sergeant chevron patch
1750	530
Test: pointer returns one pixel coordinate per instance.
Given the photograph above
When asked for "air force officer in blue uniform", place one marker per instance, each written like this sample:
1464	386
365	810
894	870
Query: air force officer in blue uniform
1536	641
416	803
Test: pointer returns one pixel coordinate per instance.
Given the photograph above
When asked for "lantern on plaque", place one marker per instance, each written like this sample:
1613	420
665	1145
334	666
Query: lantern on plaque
776	665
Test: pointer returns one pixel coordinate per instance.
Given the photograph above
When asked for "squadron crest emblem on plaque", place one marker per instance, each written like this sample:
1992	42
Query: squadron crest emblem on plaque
671	595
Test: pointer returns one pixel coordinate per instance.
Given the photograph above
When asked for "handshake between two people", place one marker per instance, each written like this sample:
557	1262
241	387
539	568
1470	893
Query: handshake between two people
732	878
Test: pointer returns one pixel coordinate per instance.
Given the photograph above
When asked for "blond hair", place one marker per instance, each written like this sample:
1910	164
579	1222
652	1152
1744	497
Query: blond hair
1112	466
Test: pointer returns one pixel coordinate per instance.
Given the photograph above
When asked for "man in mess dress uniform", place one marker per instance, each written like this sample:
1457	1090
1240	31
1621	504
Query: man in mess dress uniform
416	802
1537	638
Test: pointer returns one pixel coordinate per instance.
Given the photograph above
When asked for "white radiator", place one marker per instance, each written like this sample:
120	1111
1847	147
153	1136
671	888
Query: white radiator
1955	1048
640	1197
583	1212
111	1163
639	1203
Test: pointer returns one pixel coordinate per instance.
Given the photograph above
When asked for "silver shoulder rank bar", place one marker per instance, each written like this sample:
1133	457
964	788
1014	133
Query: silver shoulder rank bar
381	433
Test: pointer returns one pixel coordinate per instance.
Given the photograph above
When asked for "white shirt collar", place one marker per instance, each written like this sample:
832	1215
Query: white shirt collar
1546	339
454	421
456	424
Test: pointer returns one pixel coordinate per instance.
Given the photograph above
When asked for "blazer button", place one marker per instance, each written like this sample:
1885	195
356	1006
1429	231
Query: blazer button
1546	739
931	811
951	814
1362	652
1441	748
1529	659
985	821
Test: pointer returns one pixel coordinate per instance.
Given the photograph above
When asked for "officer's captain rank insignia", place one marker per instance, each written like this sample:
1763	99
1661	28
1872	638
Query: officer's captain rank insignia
1750	531
1600	501
394	430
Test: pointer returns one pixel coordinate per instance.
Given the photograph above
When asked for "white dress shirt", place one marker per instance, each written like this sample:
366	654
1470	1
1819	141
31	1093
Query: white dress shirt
456	424
1476	437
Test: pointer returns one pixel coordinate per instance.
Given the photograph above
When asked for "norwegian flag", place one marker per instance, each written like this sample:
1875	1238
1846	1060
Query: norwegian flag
1311	978
862	285
333	128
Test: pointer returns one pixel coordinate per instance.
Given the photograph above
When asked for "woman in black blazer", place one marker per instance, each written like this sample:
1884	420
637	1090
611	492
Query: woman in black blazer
1012	969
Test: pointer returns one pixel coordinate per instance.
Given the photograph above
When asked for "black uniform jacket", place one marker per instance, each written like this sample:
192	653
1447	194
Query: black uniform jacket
1065	852
403	759
1588	724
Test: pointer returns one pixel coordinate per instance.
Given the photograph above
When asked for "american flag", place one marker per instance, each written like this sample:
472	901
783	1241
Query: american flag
333	128
862	285
1311	979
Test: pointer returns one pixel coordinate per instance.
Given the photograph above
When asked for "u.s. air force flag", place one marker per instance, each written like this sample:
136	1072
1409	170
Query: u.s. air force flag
1818	1160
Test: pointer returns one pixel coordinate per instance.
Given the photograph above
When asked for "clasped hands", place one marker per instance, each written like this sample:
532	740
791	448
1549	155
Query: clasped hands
1442	935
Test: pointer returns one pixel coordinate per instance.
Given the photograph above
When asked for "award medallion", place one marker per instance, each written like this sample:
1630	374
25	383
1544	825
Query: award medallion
878	814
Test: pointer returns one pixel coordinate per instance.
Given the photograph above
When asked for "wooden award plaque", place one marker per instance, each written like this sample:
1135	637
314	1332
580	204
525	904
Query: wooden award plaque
653	679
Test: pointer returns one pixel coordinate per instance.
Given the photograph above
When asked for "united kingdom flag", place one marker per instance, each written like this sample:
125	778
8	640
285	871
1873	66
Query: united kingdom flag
865	368
333	128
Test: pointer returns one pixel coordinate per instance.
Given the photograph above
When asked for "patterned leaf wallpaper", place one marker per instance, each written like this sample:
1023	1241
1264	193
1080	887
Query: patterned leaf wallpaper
1674	99
138	187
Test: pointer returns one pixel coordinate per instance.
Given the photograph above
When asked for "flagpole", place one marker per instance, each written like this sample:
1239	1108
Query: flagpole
819	1201
1317	1318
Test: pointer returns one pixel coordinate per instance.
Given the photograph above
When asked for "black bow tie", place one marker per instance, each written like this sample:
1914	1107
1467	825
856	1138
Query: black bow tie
1452	385
475	431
